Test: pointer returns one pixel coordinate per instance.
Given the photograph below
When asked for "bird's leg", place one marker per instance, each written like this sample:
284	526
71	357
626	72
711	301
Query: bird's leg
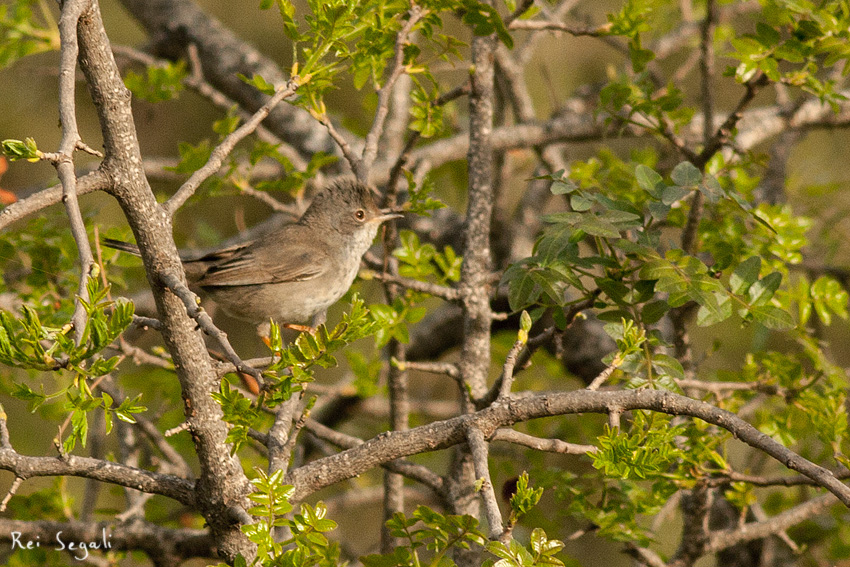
317	320
300	328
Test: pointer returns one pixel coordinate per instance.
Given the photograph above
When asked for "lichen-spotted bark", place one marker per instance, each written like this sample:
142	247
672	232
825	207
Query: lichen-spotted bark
221	485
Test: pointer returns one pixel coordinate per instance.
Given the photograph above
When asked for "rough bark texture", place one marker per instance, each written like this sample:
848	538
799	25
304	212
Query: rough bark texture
221	483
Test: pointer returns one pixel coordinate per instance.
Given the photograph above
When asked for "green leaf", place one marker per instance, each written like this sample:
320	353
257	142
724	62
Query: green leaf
16	149
485	20
159	83
563	186
745	275
653	311
773	317
673	193
713	311
669	366
649	180
580	203
711	188
259	83
761	291
598	227
686	175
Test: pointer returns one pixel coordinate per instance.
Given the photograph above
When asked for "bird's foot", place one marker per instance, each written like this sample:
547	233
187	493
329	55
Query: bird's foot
300	328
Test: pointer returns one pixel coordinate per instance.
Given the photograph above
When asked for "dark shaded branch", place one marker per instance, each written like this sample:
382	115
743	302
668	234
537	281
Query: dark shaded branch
173	25
772	526
164	546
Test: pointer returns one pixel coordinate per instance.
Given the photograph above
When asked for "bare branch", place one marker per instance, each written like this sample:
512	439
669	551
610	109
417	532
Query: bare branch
370	146
478	448
437	290
175	459
475	349
602	378
279	435
442	434
548	445
63	160
447	368
89	183
406	468
343	144
191	302
16	484
572	29
773	526
171	486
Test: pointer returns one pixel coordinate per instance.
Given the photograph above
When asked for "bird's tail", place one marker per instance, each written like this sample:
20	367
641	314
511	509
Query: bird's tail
123	246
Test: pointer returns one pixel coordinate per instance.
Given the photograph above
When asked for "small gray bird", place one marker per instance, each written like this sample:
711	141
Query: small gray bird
295	272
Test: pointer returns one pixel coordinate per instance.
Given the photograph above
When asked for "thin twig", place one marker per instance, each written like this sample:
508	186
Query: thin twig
370	146
147	322
226	146
141	356
437	290
153	434
549	445
16	484
279	433
478	448
286	454
205	322
602	377
572	29
507	377
343	144
447	368
63	161
177	429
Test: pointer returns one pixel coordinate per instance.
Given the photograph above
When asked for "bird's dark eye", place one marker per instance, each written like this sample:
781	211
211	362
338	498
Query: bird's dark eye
360	214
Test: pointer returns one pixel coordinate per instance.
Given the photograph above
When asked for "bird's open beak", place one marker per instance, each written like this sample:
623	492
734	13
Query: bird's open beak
386	214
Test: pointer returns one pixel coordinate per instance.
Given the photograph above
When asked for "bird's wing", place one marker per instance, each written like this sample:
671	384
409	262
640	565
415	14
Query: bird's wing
262	262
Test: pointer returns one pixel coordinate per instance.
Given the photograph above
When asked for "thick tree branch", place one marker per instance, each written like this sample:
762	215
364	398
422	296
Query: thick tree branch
221	485
25	467
442	434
